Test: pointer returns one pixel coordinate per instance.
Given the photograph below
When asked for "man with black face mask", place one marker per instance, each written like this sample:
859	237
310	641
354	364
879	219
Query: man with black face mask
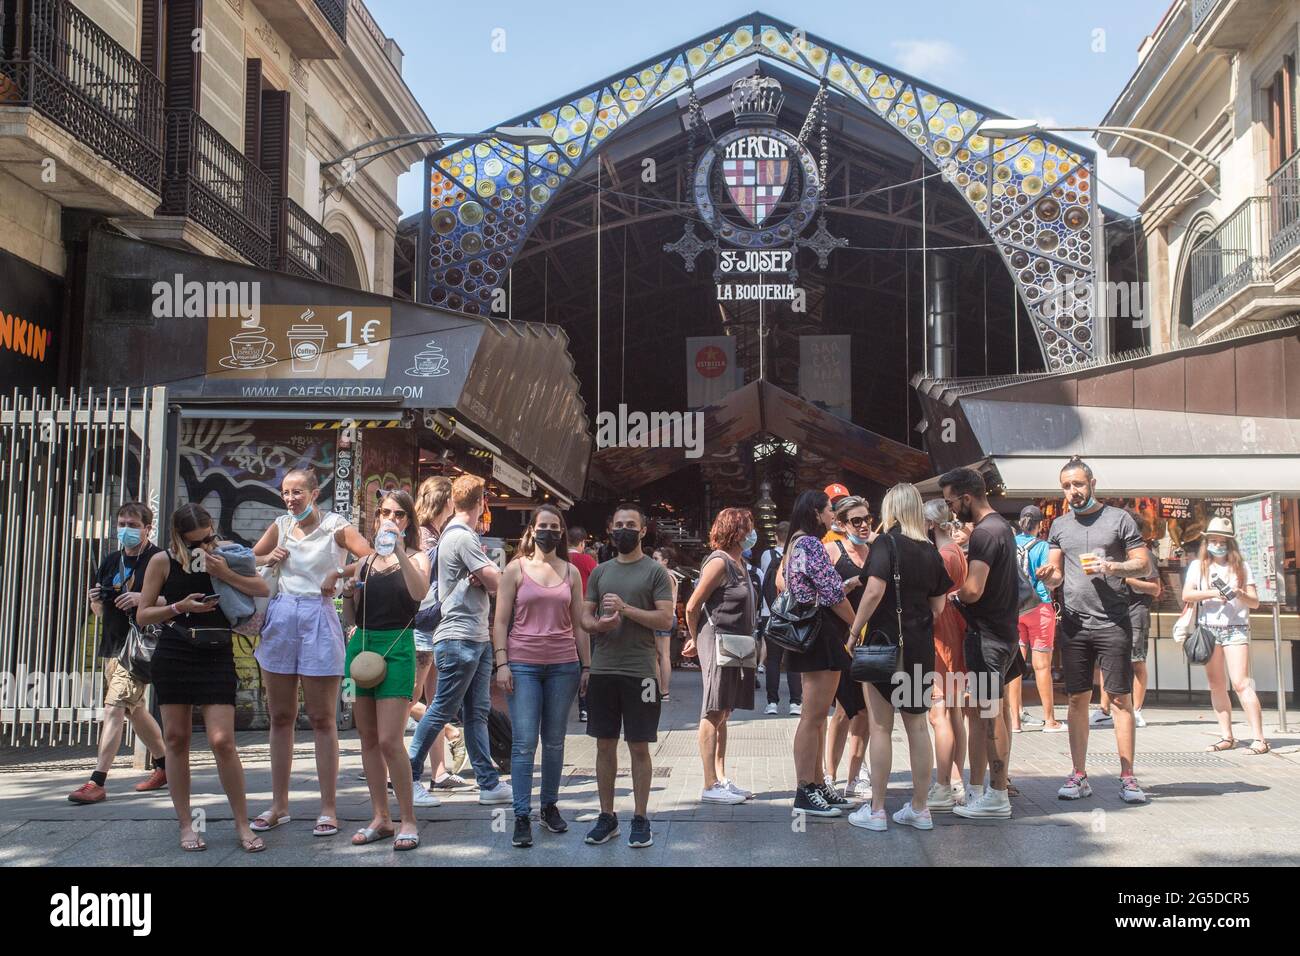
989	597
1094	547
627	600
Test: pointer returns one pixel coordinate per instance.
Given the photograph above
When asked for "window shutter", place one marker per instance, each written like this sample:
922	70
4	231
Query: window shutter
275	140
181	81
253	111
151	35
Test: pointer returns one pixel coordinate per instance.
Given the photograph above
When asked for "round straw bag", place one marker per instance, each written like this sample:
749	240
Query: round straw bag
369	668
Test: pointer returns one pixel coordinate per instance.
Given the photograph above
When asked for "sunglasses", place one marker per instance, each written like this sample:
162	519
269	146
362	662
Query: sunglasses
393	513
860	522
202	541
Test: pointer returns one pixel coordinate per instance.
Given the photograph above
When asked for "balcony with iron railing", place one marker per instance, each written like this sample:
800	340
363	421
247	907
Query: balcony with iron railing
1230	261
1231	24
303	246
336	14
213	184
1284	209
60	64
313	29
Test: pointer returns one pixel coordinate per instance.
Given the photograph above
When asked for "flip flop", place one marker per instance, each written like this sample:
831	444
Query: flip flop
371	835
193	846
263	822
412	840
325	827
255	845
1223	744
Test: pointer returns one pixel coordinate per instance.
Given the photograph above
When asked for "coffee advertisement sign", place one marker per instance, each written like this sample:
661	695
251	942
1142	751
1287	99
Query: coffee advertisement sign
301	342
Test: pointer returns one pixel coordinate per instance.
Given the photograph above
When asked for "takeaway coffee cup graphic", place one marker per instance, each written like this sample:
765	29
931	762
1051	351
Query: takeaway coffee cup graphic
429	363
249	349
307	343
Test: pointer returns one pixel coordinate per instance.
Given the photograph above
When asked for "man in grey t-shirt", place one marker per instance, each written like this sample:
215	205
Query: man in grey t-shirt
1092	549
462	650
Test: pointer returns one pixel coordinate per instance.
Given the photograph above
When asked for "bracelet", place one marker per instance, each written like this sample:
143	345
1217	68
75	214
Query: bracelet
172	608
586	667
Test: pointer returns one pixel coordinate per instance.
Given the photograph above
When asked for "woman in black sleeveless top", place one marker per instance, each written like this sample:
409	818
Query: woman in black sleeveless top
194	664
849	725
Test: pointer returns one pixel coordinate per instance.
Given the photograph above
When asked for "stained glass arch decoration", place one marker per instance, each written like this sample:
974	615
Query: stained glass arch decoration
1036	196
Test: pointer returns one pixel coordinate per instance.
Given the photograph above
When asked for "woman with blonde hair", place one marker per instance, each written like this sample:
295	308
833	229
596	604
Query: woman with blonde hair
906	588
948	696
1221	583
433	508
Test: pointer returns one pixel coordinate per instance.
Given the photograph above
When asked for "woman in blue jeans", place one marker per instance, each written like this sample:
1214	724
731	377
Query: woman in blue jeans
541	656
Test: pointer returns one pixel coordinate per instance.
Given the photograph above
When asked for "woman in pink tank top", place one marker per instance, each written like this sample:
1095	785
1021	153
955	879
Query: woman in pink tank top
540	655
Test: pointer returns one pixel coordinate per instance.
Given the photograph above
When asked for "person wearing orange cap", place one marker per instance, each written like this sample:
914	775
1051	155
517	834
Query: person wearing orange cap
835	492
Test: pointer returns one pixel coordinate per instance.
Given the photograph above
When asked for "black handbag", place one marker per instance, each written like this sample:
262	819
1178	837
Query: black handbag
793	625
878	655
1199	645
136	654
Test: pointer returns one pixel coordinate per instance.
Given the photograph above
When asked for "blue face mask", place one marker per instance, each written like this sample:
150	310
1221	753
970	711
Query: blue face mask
1218	550
751	539
129	537
304	516
854	539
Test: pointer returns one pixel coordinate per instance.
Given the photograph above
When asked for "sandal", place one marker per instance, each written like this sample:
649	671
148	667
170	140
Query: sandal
255	845
263	822
1225	743
412	840
195	845
325	827
371	835
1260	747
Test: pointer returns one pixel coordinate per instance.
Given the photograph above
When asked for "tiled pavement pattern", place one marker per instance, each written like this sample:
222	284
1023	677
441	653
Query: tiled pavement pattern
1205	809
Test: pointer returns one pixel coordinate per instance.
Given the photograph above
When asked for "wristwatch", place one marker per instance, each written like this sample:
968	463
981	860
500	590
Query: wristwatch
341	572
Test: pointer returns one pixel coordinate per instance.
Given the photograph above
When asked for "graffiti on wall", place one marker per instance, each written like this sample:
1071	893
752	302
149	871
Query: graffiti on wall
387	459
234	468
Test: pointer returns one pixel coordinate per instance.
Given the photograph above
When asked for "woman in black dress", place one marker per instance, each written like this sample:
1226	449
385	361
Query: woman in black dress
194	664
723	600
849	722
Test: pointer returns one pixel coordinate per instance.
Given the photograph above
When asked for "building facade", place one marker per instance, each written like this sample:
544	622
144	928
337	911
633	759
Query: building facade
203	124
1219	75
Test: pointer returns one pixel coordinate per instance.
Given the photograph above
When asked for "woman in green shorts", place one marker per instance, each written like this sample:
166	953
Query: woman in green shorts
381	601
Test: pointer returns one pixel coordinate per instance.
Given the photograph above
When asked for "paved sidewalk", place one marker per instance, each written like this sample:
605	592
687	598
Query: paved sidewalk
1206	809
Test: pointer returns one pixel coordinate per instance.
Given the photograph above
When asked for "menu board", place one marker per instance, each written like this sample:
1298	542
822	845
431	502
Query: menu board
1171	507
1220	507
1255	522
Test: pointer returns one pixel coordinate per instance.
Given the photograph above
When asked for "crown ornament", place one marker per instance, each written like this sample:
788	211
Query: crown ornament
756	100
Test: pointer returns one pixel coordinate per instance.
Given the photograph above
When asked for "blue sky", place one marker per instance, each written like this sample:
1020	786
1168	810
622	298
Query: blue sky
1064	64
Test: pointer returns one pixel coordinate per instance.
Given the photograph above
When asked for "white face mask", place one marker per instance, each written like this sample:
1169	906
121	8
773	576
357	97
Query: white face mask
1217	550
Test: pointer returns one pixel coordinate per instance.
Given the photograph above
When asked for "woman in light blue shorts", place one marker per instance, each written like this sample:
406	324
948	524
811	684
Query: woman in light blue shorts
302	640
1223	584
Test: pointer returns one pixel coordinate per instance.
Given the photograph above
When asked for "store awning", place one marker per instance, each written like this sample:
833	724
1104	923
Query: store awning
1216	419
221	334
757	409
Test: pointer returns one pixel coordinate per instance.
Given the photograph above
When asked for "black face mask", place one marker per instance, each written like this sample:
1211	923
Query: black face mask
626	539
547	539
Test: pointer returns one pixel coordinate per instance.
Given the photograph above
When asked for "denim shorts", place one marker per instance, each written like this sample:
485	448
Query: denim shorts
301	635
424	640
1230	636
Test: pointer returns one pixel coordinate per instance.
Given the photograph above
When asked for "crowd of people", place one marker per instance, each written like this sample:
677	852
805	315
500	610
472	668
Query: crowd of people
937	611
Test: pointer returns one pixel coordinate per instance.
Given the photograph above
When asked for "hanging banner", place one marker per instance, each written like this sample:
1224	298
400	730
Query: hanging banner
711	372
825	377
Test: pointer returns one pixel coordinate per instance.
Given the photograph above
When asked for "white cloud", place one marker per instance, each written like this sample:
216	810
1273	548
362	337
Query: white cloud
926	58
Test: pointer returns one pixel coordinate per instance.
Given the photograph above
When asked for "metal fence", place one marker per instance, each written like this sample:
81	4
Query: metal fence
67	461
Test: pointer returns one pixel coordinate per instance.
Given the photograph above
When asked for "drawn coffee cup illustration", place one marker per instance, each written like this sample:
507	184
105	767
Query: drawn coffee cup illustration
429	363
306	343
249	349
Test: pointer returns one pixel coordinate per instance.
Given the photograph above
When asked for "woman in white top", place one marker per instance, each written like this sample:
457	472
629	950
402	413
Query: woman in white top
1223	584
302	640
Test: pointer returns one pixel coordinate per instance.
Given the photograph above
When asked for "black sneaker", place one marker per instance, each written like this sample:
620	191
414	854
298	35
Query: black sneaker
606	829
641	834
552	820
832	795
523	832
810	800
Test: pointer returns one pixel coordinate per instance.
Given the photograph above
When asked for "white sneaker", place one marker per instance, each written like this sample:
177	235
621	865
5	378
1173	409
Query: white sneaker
940	799
992	805
973	793
762	669
911	818
1099	717
720	794
796	710
1129	790
412	725
501	793
423	798
1137	719
858	791
869	819
770	709
744	794
958	792
1076	786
